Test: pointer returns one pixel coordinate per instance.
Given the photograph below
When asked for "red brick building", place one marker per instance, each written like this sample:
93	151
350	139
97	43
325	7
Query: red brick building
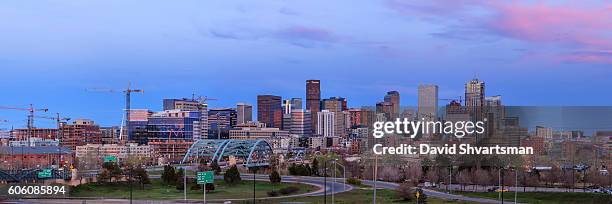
45	133
537	143
81	132
34	157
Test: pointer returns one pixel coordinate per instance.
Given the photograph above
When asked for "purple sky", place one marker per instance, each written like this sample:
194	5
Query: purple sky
530	52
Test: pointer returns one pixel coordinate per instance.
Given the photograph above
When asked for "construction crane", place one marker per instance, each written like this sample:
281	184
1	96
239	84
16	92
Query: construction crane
128	92
58	120
31	111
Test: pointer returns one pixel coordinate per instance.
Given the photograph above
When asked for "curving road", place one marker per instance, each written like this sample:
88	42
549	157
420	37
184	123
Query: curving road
331	187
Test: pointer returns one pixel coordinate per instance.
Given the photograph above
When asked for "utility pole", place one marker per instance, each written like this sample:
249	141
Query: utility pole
325	182
375	176
254	171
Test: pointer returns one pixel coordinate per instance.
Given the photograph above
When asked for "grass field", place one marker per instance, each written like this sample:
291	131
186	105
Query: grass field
360	196
547	198
157	190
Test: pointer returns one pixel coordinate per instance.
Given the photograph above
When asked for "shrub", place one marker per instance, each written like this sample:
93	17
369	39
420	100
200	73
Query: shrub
232	175
353	181
210	187
275	177
272	193
289	190
405	192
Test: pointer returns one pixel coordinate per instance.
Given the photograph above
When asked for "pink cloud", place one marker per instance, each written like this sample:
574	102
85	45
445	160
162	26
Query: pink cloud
582	28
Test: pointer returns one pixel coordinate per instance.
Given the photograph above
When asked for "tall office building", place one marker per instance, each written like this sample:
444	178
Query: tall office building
244	113
200	127
475	98
326	123
337	105
287	106
385	109
313	99
220	121
296	103
269	110
393	97
428	102
287	109
300	123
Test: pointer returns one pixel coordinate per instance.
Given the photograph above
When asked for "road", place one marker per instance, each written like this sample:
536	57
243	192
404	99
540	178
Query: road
429	192
331	187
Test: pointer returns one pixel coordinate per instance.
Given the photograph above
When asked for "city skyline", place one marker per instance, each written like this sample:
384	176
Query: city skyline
238	50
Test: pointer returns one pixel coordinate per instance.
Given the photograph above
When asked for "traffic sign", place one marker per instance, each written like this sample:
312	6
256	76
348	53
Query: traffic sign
110	159
205	177
45	173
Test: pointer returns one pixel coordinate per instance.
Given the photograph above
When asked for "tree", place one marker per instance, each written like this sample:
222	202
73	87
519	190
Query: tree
179	179
315	167
141	176
215	167
275	177
169	175
104	175
232	175
482	177
113	170
464	178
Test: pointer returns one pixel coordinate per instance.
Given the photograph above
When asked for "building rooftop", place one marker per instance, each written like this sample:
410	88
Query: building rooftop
34	150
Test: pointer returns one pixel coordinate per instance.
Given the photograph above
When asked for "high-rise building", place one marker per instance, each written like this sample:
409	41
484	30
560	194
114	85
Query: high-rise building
269	110
386	109
428	102
296	103
220	121
200	126
337	105
544	132
326	123
313	99
475	97
244	113
393	97
287	106
300	123
494	112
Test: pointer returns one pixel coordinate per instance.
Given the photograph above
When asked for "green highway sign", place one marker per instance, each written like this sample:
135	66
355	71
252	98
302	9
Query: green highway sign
110	159
205	177
45	173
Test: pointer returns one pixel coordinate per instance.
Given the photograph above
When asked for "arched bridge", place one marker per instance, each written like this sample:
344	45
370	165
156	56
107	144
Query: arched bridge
250	153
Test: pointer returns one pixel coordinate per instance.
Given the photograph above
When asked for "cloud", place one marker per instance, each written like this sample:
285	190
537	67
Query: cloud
584	29
587	57
307	33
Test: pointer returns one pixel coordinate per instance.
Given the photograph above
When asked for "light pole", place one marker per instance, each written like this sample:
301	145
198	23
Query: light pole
343	175
375	176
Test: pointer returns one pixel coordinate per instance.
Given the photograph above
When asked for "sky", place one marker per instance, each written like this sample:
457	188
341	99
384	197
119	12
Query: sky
60	54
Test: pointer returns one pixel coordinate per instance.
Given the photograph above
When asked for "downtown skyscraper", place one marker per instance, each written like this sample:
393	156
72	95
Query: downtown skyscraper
269	110
245	113
393	97
475	97
428	102
313	99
